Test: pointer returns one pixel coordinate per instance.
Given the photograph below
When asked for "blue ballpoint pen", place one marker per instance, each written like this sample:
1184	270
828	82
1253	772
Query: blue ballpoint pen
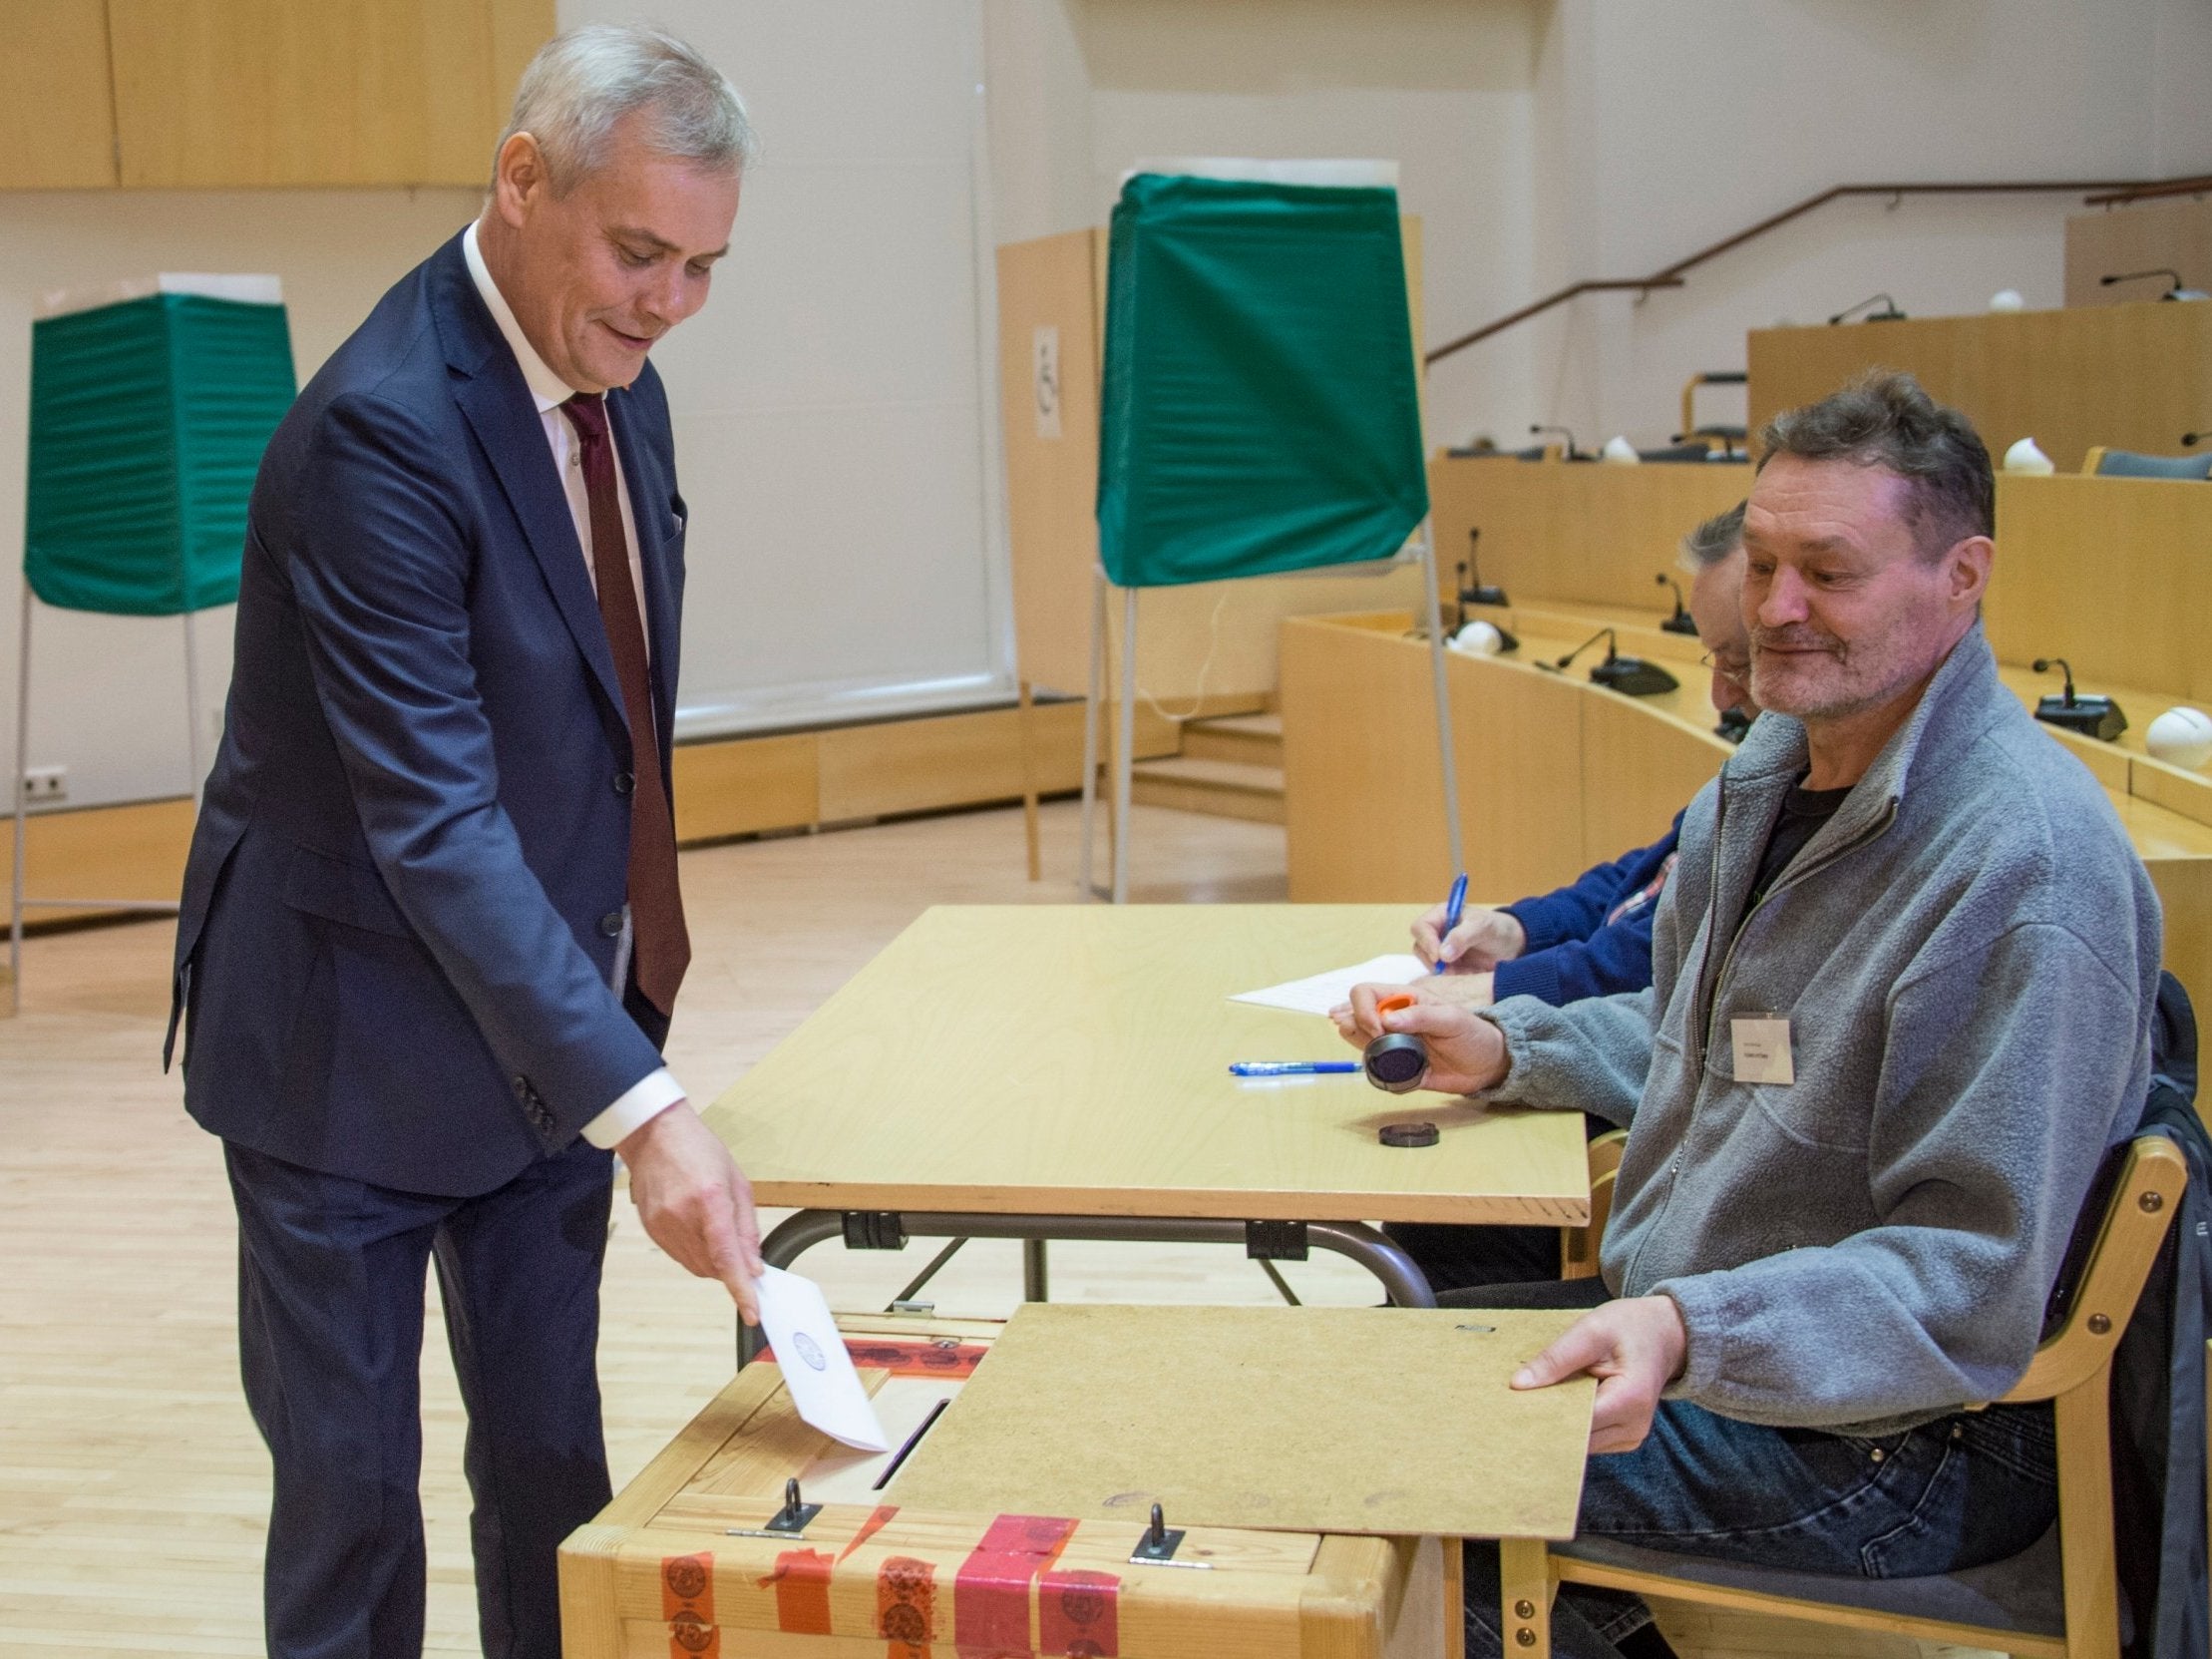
1291	1068
1454	908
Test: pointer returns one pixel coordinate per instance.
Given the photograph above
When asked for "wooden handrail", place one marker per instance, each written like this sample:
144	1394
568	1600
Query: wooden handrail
1671	277
2197	185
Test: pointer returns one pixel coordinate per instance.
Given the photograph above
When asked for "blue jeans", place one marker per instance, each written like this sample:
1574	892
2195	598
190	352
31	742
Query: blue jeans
1965	1490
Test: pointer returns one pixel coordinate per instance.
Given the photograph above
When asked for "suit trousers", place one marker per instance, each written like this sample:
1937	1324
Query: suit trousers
331	1292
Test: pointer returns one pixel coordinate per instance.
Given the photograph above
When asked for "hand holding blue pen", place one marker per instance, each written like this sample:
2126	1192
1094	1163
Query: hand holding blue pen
1454	908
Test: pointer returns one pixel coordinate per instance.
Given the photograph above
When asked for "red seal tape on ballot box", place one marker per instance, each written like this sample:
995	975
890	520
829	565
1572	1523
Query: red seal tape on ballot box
687	1606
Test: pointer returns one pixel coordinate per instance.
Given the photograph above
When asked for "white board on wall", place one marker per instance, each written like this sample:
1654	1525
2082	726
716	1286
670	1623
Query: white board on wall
833	402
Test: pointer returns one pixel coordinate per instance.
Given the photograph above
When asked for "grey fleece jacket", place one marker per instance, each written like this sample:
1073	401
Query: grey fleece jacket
1968	953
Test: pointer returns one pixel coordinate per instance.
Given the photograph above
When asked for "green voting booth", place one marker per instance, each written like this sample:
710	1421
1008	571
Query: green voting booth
150	403
1259	412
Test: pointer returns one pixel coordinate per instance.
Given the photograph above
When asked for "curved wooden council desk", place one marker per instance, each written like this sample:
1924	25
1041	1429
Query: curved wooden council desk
1043	1072
1557	775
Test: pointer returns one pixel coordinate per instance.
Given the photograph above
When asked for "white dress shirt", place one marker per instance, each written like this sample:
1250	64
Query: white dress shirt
656	1092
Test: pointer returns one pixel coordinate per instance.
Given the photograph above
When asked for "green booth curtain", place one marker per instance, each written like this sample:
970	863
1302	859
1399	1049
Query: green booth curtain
1259	410
148	422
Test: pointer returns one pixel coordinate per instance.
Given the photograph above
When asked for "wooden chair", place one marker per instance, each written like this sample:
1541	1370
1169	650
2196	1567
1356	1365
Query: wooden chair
1578	1246
2126	462
2059	1599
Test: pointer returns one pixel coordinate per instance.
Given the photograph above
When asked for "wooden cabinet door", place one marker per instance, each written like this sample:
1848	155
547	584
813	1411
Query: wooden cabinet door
57	118
340	92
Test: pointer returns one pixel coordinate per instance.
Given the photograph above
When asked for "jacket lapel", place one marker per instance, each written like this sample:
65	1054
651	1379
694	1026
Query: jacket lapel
497	404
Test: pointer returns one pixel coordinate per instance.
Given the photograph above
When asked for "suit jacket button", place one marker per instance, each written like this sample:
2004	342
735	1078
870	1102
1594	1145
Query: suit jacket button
611	925
624	782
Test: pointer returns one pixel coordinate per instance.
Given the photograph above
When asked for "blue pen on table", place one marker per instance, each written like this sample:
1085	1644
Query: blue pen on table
1291	1068
1454	908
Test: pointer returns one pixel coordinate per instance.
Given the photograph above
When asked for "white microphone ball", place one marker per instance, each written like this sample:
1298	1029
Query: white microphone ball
2181	737
1481	638
2007	300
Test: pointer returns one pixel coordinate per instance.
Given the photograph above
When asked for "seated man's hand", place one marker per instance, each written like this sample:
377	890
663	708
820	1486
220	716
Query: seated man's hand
1634	1348
695	1202
1483	939
1465	1052
1467	991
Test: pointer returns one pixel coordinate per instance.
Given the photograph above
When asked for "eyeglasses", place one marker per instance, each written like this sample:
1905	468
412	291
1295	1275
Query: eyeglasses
1735	669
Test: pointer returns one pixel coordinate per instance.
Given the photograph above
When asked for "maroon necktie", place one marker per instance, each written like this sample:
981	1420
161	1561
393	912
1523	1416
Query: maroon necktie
662	948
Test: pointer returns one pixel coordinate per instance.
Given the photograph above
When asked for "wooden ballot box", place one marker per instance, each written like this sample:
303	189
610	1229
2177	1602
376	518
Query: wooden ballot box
698	1557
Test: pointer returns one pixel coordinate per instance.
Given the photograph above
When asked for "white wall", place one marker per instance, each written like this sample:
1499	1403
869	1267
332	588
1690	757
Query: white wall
834	406
835	420
1443	87
835	414
1674	126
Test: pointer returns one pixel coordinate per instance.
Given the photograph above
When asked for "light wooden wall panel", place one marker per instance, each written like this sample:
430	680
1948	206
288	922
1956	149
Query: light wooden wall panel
110	852
1579	531
222	93
57	107
2112	573
2126	377
739	788
1640	768
2176	235
1520	786
951	760
1363	798
1051	479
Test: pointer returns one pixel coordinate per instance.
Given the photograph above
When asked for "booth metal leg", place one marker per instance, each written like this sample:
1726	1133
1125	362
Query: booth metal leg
1125	750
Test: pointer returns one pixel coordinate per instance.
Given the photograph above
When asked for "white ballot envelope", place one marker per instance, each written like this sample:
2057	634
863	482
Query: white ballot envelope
817	1369
1323	992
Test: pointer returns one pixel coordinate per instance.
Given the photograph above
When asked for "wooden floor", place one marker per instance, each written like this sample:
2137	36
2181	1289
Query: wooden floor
133	1488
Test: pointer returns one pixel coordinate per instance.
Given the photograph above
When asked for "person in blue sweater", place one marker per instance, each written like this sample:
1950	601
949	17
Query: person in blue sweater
1591	937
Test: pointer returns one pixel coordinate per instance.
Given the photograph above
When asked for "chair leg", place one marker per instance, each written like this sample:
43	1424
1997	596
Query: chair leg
2086	1543
1525	1594
1028	784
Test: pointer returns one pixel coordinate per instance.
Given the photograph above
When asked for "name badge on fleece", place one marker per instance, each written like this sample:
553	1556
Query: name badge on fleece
1762	1048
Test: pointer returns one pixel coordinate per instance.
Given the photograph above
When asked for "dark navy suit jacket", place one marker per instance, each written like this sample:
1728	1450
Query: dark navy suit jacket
1593	936
400	909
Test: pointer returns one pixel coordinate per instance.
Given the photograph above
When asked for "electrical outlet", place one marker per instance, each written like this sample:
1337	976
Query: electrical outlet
44	785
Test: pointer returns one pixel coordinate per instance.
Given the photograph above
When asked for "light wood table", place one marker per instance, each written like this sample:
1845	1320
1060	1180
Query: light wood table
1062	1072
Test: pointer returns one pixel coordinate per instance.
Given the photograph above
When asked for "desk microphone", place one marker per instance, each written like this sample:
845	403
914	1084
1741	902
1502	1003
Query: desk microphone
1631	676
2175	290
1888	313
1572	454
2190	440
1682	622
2097	717
1481	592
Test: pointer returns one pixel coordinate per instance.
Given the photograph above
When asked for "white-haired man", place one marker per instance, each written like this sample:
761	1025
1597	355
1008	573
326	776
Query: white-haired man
431	933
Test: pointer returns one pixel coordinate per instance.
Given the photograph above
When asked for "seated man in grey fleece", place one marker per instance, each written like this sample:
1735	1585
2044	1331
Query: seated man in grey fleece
1903	985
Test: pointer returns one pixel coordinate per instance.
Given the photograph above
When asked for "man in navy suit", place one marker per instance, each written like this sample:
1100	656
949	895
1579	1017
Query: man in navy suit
431	932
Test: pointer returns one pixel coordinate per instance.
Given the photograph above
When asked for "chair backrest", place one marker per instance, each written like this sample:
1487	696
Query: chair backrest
2126	462
2126	1220
1578	1246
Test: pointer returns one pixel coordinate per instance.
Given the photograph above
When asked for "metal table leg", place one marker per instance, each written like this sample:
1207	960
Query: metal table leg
1402	1282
